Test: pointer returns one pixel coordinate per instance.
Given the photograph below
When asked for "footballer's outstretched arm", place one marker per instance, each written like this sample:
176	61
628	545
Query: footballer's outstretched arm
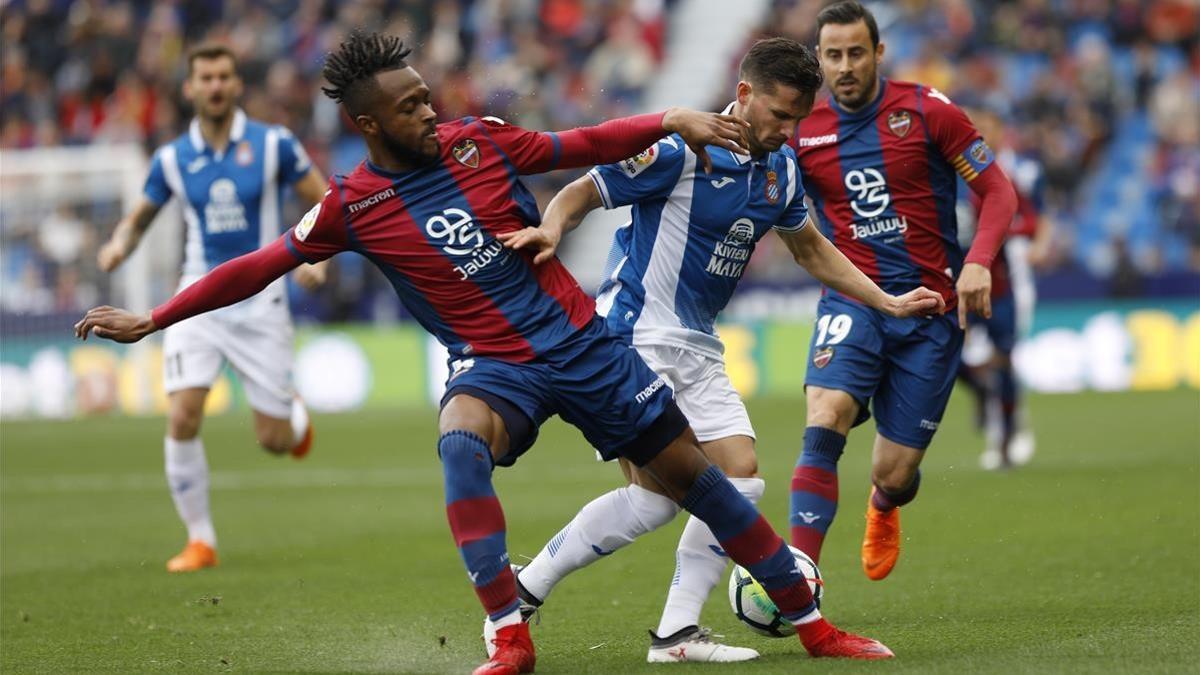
563	214
127	235
226	284
831	267
617	139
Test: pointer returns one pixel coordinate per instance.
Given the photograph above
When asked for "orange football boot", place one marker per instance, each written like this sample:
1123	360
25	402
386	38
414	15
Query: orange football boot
305	444
881	543
195	556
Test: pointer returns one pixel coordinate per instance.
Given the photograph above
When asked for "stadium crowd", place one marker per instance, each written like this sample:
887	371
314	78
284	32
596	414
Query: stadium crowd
1070	76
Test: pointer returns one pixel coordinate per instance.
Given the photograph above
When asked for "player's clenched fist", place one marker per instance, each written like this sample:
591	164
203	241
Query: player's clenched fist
699	129
114	324
974	292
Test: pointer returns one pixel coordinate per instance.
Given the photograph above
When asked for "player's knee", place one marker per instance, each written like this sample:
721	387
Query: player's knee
741	465
183	424
275	439
831	409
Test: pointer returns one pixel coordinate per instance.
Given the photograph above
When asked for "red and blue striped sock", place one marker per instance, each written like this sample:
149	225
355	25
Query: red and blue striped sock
815	489
477	521
749	540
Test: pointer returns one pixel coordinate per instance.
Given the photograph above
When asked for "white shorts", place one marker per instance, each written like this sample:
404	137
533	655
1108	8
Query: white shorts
260	351
702	391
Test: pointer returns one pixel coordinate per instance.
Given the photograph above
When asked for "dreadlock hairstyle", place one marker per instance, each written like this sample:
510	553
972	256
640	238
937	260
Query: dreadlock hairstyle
352	68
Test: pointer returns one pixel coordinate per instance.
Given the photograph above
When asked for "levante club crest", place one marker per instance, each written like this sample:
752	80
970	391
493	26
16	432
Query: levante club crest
822	357
467	153
772	187
900	122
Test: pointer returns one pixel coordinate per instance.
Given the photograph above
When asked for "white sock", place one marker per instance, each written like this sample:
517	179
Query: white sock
511	619
699	562
187	477
607	523
299	420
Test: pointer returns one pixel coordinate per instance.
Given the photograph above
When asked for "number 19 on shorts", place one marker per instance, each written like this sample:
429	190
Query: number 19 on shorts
833	328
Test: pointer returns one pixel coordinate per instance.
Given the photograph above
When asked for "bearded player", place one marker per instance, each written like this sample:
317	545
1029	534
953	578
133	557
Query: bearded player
881	160
228	173
672	270
427	207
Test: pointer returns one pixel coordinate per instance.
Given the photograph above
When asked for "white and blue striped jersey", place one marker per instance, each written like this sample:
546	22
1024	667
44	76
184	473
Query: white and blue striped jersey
231	199
673	268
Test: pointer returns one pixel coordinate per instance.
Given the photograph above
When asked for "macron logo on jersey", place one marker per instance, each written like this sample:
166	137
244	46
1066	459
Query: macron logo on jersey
372	200
811	141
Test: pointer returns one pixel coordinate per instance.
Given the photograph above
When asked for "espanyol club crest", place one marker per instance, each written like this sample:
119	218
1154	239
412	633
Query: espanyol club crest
245	154
900	122
467	153
822	357
772	187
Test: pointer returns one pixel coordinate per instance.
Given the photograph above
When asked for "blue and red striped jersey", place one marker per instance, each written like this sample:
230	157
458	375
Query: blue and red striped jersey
883	180
432	231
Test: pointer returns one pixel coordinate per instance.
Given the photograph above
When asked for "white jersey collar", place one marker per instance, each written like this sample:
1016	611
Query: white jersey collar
236	131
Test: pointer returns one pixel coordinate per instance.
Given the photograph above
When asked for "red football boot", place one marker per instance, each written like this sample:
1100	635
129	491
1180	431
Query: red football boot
514	652
823	639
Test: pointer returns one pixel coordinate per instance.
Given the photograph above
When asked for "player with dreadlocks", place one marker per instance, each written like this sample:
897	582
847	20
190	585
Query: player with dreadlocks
427	207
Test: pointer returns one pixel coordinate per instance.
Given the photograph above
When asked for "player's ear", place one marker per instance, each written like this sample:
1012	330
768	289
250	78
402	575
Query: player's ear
879	53
744	89
366	124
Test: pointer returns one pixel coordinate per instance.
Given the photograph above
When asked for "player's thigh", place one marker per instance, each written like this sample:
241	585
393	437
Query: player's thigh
505	403
192	356
607	391
912	397
262	353
845	357
716	413
674	470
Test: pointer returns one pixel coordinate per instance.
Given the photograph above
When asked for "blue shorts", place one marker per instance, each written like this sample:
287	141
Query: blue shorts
1002	327
593	380
903	368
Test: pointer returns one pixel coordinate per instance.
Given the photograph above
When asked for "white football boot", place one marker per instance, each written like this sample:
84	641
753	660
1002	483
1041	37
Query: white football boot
695	644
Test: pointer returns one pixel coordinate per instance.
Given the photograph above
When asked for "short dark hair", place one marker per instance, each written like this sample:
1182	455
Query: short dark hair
209	51
848	12
351	69
776	61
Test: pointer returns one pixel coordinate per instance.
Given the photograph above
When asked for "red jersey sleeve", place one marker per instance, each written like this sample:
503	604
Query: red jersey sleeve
954	135
322	232
541	151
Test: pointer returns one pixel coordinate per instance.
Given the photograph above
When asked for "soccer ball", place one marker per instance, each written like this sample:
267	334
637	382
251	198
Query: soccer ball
753	607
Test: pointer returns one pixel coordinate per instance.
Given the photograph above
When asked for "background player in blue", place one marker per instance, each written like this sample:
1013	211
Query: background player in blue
880	159
672	269
229	173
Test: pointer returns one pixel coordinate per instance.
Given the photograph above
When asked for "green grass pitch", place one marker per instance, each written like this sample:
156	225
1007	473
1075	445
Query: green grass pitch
1087	560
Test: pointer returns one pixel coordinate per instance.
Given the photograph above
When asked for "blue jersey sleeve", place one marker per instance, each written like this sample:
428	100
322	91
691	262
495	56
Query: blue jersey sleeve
156	188
293	160
650	174
795	214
